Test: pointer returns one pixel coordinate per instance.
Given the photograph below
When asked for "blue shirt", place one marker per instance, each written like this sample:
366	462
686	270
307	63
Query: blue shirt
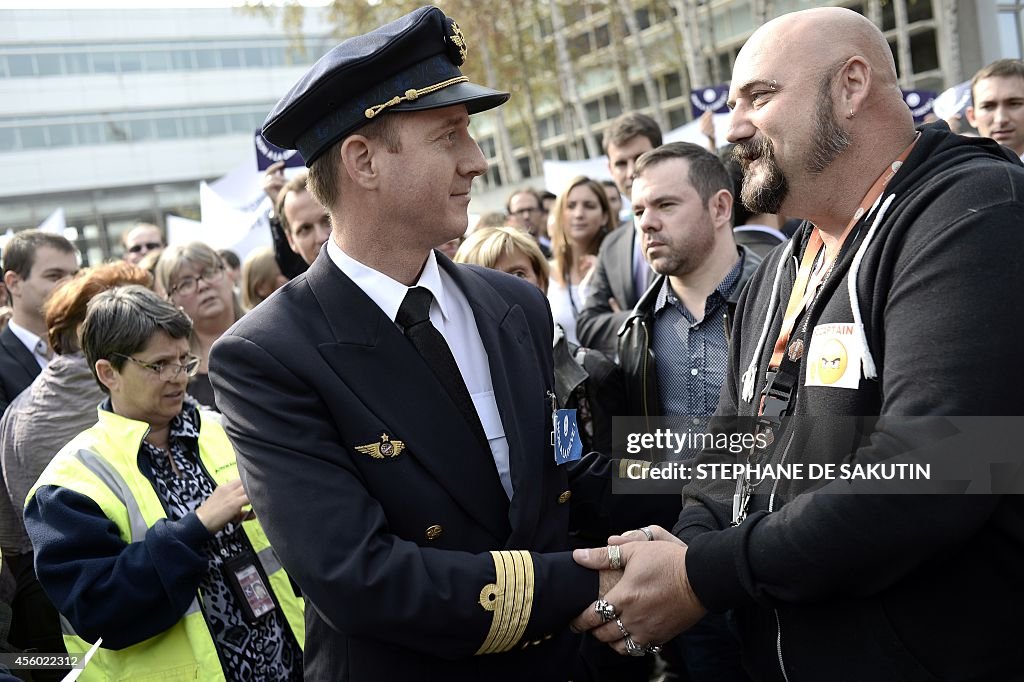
692	357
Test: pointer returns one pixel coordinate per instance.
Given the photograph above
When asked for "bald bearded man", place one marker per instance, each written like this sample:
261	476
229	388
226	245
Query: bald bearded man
904	304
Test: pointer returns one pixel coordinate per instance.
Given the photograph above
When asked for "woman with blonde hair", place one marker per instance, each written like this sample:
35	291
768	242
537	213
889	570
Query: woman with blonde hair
506	249
581	219
194	278
261	277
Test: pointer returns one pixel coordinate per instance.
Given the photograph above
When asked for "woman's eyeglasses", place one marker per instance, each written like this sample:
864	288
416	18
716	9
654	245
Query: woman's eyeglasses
167	371
186	286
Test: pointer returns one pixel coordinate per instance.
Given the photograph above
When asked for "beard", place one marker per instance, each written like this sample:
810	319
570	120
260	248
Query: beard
766	193
828	140
688	251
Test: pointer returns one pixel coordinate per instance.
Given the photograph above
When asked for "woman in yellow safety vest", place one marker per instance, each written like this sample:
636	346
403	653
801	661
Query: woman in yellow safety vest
140	524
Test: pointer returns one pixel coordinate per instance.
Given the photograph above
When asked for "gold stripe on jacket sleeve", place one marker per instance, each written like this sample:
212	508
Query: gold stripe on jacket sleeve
510	599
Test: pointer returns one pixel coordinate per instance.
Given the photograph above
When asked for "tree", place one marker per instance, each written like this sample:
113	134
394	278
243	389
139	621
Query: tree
529	112
686	17
639	53
903	44
567	72
617	39
949	37
874	13
711	44
509	163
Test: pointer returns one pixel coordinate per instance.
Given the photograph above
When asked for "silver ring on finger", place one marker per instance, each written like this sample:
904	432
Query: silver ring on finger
605	610
634	649
648	532
614	557
622	629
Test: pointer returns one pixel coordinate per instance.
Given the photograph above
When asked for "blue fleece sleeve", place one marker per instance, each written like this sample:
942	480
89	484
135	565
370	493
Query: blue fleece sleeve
125	593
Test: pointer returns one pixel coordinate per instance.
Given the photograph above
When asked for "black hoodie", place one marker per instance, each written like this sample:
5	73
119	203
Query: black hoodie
884	587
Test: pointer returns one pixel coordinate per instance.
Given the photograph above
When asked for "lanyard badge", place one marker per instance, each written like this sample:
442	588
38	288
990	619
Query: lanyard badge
565	433
249	585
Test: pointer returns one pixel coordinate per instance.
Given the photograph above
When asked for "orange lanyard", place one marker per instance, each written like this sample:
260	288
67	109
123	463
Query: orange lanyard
809	278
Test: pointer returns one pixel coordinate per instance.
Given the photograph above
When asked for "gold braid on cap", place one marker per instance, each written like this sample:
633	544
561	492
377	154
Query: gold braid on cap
412	94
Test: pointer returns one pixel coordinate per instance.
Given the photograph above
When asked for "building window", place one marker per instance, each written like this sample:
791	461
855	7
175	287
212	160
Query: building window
612	105
48	64
20	65
62	135
156	61
230	59
104	62
90	133
924	52
524	166
487	147
639	96
239	123
33	137
216	124
182	60
1009	32
678	117
643	18
166	128
7	139
254	56
140	130
673	87
130	62
579	45
76	62
207	59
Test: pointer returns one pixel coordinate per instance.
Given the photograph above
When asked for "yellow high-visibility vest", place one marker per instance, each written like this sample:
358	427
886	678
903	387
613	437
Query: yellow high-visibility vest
101	464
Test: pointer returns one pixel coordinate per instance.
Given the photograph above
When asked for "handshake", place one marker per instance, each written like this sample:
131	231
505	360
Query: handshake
645	598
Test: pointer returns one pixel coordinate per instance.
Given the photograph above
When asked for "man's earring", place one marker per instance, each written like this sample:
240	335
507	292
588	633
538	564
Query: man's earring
850	114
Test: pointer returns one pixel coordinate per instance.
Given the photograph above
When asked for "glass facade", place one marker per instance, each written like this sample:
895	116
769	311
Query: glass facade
41	61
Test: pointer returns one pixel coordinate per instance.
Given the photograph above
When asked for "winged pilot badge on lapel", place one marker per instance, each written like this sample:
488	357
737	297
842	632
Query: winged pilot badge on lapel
385	448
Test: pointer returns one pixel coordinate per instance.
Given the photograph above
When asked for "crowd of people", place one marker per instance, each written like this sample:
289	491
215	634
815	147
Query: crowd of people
383	448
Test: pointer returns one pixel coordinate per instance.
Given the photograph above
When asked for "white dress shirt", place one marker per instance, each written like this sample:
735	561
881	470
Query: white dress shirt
31	342
452	315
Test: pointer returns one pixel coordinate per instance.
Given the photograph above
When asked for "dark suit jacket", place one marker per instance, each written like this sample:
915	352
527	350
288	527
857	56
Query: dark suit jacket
597	326
18	367
397	555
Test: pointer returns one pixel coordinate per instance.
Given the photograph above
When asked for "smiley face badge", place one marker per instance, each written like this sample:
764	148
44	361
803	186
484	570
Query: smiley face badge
834	357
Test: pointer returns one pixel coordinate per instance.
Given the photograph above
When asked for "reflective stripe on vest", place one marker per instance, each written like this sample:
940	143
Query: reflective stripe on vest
104	471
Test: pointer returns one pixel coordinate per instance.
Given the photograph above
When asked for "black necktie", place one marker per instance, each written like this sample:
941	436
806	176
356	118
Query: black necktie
414	318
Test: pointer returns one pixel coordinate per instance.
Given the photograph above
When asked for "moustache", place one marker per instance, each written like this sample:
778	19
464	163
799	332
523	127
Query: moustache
748	152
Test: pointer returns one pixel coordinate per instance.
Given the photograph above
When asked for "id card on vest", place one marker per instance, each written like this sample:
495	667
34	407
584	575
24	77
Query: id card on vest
834	356
248	584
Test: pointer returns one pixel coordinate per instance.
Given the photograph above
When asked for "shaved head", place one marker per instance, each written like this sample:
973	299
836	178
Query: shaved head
817	112
823	36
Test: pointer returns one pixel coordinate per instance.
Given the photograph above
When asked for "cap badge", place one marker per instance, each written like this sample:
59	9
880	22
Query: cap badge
458	40
385	448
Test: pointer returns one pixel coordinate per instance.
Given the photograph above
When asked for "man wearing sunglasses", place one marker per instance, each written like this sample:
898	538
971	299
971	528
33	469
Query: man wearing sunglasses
140	240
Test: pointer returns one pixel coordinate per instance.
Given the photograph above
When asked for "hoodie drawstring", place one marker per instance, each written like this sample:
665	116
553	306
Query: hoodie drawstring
867	360
750	375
